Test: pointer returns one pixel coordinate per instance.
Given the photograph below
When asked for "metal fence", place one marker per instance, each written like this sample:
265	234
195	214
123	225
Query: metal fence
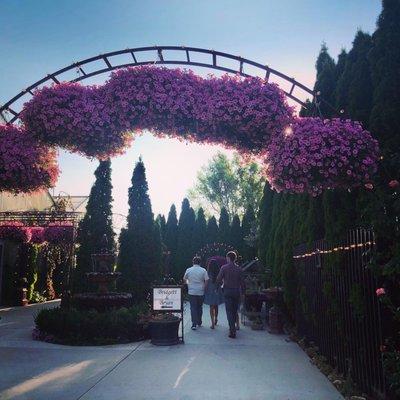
337	308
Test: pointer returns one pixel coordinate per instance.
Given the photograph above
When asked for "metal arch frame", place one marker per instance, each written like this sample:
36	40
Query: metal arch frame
160	59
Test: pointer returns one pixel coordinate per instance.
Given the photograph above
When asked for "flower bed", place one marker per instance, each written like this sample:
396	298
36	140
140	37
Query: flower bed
70	326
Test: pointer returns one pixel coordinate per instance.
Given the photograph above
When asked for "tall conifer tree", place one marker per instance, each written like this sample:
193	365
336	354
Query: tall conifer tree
184	253
171	237
249	251
212	230
224	226
236	234
96	223
326	80
385	68
140	246
200	231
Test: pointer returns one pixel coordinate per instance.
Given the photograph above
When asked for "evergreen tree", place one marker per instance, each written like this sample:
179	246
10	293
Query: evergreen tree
354	87
96	223
249	251
171	237
140	248
236	234
199	232
326	81
160	220
385	69
212	231
184	252
224	228
265	221
340	94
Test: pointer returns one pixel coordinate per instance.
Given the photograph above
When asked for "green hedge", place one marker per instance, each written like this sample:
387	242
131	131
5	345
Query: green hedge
71	326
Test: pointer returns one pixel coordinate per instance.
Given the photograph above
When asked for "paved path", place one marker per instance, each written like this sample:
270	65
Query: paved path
255	366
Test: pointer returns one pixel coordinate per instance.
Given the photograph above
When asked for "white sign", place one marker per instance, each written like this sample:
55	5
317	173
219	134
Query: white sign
167	299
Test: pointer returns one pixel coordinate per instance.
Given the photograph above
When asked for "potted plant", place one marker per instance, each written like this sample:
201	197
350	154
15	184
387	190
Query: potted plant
164	328
257	324
275	320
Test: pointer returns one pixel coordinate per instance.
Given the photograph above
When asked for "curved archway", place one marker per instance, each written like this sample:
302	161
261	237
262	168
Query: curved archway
159	55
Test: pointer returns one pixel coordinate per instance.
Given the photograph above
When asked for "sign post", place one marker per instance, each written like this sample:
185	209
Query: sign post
169	299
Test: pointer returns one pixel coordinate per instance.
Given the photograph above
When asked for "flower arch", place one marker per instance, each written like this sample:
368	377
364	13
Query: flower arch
247	114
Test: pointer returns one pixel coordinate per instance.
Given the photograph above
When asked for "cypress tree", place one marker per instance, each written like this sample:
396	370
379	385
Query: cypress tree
249	251
96	223
224	228
212	230
354	88
265	221
140	248
184	252
236	234
326	80
160	220
384	59
199	232
171	237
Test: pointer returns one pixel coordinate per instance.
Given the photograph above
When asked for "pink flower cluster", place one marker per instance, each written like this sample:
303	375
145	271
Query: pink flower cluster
25	165
97	120
55	234
59	234
248	114
15	231
74	117
315	154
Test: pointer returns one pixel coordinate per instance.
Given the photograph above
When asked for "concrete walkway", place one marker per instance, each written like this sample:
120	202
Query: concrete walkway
255	366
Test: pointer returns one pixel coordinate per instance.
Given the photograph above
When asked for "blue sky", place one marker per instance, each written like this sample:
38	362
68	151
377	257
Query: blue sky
41	36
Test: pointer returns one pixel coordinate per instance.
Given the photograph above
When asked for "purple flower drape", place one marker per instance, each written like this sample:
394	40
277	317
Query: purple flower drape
246	114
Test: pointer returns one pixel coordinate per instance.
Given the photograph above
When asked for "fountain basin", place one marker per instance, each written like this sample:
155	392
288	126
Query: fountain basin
101	301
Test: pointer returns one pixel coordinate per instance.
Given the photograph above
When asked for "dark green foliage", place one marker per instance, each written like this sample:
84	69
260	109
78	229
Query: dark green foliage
184	252
212	230
236	234
200	231
32	269
71	326
308	110
224	226
385	68
139	257
326	80
171	237
162	225
96	223
249	249
265	219
354	87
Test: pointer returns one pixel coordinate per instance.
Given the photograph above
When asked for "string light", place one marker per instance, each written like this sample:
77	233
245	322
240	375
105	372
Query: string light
335	249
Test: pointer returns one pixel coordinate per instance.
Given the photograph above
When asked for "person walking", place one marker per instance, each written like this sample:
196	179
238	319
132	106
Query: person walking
196	278
231	277
213	295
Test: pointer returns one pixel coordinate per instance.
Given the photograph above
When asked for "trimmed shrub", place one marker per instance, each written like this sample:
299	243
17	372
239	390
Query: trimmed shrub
75	327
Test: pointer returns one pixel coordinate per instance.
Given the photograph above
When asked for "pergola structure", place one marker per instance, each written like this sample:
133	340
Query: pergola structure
165	55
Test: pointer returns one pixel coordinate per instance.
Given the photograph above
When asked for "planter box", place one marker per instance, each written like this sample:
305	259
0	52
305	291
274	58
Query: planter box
164	332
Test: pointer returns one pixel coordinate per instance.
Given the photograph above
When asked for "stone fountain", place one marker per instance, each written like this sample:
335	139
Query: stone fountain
104	276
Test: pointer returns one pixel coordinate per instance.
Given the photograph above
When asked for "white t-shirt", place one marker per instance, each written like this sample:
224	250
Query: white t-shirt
196	278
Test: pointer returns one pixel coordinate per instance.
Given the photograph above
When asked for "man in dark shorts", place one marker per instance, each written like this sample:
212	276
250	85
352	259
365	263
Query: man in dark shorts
231	276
